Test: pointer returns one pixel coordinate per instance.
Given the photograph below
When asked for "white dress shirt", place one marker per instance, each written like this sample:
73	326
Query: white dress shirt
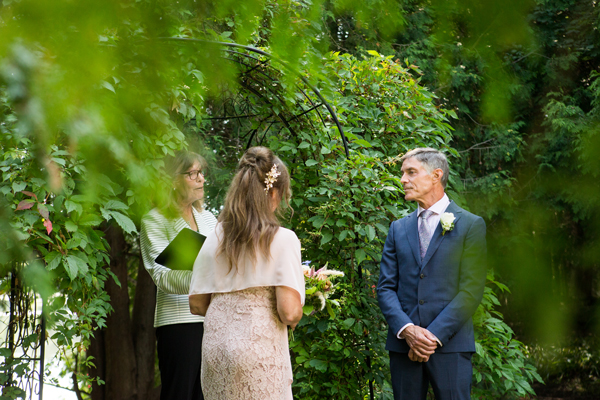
434	219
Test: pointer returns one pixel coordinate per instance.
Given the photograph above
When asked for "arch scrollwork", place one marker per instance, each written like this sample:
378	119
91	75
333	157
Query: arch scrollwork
23	347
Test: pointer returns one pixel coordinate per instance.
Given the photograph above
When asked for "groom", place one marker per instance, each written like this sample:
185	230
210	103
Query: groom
433	271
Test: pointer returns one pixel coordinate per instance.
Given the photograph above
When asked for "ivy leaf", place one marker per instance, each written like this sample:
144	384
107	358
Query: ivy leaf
343	235
382	228
348	323
307	309
115	278
43	210
360	256
115	205
370	232
30	194
363	143
310	163
5	352
73	243
318	365
71	226
105	213
537	376
48	225
300	359
124	222
18	186
108	86
76	266
330	311
73	206
53	260
90	220
358	329
323	325
317	221
25	204
71	267
326	238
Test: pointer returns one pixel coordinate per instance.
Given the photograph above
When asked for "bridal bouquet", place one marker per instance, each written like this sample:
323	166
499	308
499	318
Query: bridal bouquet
319	287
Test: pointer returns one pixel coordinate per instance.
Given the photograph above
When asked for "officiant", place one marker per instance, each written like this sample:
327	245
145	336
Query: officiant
178	332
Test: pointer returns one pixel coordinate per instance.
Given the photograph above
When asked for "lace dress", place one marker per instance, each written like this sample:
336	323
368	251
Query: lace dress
245	348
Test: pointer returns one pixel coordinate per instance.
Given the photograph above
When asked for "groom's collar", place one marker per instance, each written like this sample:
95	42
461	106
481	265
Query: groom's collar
439	207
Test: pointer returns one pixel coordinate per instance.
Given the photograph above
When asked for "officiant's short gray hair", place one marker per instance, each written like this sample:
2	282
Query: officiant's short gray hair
431	159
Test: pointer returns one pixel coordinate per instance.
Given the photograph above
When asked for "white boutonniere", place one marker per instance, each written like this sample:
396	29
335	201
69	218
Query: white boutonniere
447	221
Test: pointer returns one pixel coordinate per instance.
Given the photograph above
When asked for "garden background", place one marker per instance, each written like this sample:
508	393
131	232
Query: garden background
93	95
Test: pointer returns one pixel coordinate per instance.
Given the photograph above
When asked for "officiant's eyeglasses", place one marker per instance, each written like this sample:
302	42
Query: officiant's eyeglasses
193	175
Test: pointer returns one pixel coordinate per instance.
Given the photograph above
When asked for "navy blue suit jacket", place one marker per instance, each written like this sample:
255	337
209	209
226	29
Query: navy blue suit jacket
442	292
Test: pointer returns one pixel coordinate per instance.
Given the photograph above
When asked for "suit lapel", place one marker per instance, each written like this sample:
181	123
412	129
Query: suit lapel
412	232
438	238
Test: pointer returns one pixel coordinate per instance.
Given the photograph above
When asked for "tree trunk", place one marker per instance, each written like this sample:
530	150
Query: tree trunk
120	355
97	351
124	352
144	337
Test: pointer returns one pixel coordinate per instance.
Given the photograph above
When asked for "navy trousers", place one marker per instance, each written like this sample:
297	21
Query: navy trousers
450	376
179	349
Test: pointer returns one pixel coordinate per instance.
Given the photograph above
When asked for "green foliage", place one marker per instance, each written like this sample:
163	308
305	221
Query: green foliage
379	100
351	208
68	152
501	366
336	357
92	99
61	229
579	360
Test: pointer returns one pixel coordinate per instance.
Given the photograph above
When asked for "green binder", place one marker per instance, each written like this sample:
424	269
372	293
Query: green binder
181	253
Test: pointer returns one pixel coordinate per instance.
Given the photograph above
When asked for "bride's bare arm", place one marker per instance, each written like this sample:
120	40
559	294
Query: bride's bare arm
289	305
199	303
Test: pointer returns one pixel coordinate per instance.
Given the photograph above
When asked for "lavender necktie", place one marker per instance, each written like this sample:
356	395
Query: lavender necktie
424	234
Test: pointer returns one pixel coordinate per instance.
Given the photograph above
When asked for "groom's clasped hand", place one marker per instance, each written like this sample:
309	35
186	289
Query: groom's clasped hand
422	343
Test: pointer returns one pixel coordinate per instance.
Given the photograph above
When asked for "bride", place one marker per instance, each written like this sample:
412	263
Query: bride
248	282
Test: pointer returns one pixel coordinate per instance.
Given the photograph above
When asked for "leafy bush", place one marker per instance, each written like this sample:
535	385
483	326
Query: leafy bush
576	360
501	367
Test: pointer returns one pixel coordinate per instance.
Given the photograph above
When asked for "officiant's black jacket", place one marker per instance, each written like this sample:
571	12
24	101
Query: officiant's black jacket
442	292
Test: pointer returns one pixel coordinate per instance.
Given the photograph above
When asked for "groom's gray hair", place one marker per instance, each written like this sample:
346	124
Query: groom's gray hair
431	159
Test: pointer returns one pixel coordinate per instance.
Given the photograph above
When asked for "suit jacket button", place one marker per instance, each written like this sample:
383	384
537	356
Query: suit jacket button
422	276
421	302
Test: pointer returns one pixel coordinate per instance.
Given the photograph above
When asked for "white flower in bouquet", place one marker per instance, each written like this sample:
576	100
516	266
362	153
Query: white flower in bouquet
319	287
321	298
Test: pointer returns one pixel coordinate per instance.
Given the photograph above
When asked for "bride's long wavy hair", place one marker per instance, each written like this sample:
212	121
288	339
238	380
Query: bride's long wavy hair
248	222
